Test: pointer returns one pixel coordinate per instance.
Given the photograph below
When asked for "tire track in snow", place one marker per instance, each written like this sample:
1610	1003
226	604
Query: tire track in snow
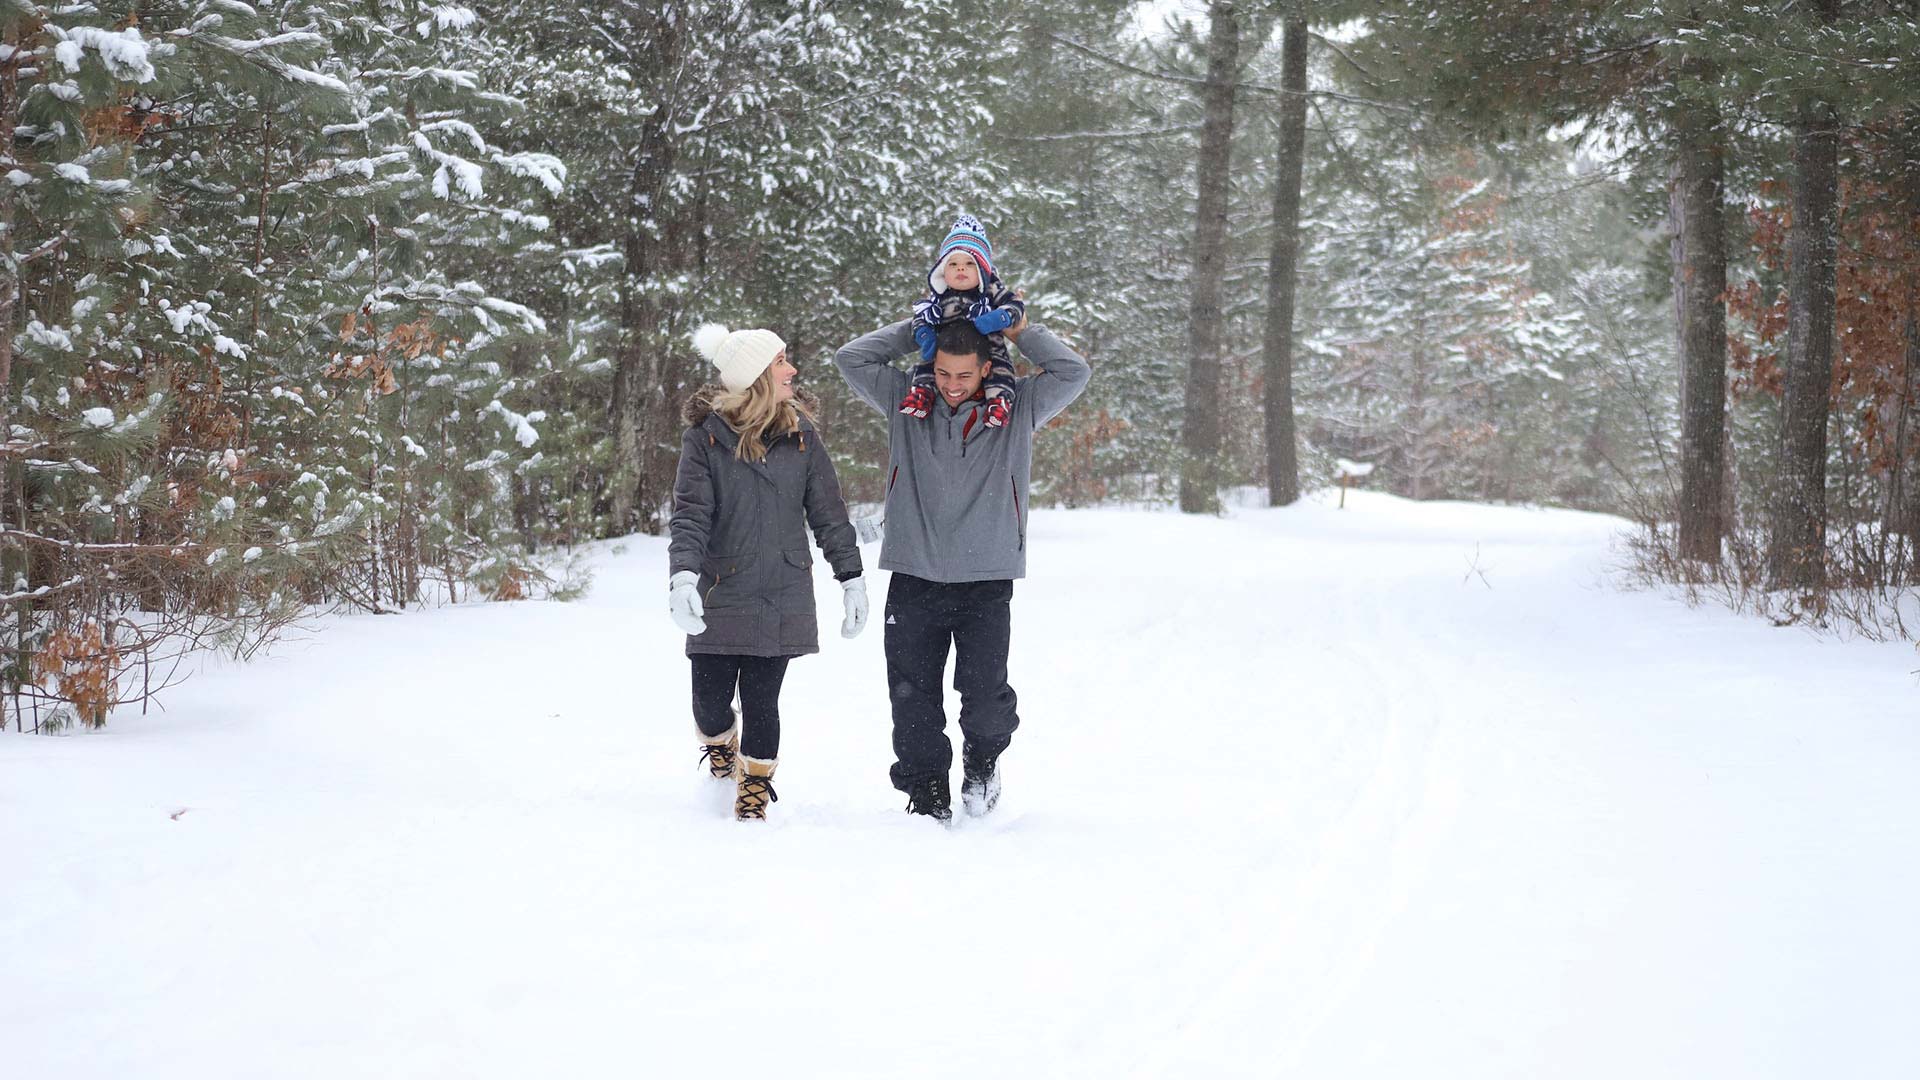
1321	892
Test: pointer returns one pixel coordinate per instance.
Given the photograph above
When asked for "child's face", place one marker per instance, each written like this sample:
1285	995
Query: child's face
960	271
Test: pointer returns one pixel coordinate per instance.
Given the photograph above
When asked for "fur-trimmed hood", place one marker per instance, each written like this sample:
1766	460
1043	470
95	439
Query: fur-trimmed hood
699	405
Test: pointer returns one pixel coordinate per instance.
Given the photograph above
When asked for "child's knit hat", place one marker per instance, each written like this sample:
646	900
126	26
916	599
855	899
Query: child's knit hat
969	236
741	355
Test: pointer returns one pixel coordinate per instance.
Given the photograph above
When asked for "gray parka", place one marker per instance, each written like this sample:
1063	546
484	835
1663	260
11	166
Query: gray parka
742	526
957	489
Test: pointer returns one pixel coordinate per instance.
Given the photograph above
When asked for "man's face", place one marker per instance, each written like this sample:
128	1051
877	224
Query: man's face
956	376
961	272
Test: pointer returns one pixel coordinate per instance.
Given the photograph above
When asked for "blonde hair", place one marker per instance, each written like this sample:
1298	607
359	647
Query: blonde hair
759	416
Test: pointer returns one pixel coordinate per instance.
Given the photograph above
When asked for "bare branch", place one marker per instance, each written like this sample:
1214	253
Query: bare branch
1248	87
1114	136
1340	51
22	536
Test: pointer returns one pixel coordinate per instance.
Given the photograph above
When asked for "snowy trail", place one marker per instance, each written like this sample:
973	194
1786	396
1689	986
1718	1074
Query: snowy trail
1399	790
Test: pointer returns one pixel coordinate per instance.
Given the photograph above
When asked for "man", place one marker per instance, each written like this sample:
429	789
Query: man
956	539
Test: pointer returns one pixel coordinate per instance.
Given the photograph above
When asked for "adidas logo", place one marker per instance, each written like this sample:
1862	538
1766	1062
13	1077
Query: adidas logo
890	621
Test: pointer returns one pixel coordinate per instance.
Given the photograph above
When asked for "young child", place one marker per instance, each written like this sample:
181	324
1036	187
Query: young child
962	285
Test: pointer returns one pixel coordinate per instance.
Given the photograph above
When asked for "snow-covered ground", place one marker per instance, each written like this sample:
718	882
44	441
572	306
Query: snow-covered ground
1401	790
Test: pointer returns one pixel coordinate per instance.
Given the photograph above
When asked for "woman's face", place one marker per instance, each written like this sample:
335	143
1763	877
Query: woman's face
783	374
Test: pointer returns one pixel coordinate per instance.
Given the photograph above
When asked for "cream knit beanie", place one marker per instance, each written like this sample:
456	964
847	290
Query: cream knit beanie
740	355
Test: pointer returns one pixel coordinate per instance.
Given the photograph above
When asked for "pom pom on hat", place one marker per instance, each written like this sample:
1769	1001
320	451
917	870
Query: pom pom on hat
707	339
739	355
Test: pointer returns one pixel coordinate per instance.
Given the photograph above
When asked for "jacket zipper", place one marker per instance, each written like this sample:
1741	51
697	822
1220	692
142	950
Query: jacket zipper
1019	522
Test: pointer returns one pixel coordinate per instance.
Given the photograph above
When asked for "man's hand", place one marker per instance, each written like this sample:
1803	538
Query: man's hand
1013	332
683	602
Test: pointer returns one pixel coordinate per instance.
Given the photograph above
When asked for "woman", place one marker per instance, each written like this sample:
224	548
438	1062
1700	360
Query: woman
753	476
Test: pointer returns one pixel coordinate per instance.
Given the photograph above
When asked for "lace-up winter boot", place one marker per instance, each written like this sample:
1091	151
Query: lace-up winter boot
979	784
719	751
754	789
931	797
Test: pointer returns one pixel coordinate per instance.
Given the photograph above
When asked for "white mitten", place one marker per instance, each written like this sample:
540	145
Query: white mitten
854	592
683	602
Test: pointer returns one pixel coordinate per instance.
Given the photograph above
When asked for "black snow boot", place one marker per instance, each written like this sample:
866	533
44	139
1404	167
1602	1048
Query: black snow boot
931	797
979	785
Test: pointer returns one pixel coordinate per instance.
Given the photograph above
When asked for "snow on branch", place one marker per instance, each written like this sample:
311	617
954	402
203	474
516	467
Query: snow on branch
311	78
452	170
464	80
362	167
69	465
462	128
243	46
550	171
363	124
447	17
25	537
527	317
124	53
45	590
523	430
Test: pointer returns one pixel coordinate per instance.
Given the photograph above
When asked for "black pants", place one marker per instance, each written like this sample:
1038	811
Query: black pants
923	617
758	679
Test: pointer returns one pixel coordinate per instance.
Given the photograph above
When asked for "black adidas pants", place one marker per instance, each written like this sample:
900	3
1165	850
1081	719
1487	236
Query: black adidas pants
923	619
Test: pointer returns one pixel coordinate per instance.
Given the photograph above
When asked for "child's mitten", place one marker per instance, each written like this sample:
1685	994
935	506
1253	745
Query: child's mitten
990	320
918	402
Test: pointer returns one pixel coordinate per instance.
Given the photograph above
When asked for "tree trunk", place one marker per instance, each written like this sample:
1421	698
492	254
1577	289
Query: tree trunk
1797	544
1902	514
14	560
1421	449
1283	460
1906	501
9	279
636	384
1700	282
1200	435
526	503
635	376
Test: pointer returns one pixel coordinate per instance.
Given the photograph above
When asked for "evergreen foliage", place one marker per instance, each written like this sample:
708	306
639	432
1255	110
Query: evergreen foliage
377	303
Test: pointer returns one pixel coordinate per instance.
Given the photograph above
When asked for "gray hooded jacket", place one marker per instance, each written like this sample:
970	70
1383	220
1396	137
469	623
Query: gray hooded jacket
957	489
742	526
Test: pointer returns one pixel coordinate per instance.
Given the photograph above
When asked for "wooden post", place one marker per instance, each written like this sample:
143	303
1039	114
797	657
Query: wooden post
1348	472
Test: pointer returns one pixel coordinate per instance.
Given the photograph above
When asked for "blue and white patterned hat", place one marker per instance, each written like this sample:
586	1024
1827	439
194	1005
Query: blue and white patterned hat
969	236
